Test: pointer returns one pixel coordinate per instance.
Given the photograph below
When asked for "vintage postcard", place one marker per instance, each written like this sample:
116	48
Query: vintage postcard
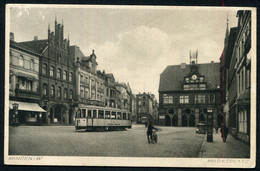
149	86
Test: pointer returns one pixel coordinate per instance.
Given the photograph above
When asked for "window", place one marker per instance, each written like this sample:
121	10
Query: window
167	99
86	79
11	58
100	113
89	113
187	80
21	61
199	98
32	65
101	96
242	117
184	99
59	93
186	87
81	92
52	90
201	79
118	115
93	94
113	115
71	94
52	71
44	90
59	73
212	98
44	69
70	77
107	115
94	113
202	86
139	103
143	103
81	78
124	115
65	73
65	93
86	93
83	113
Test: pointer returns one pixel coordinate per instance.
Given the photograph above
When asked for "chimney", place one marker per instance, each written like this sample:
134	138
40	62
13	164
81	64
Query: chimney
183	65
11	36
35	37
212	62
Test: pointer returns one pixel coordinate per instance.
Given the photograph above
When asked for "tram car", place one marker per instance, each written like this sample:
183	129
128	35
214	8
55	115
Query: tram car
102	118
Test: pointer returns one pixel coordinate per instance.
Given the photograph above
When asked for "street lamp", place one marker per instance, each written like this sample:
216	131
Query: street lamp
15	114
209	125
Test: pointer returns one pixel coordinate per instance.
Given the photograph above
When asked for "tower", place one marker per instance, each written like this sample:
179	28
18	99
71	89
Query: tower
194	57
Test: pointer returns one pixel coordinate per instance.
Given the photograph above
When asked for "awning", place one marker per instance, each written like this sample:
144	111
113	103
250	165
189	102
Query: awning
26	106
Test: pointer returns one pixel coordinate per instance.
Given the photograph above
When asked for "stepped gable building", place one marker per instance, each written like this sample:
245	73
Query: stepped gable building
57	80
237	89
187	91
24	84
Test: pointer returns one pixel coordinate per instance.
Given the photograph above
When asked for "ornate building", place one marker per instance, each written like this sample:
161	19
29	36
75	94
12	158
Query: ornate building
57	80
237	64
24	83
187	91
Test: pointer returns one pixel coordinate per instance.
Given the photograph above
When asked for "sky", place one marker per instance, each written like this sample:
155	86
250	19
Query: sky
134	43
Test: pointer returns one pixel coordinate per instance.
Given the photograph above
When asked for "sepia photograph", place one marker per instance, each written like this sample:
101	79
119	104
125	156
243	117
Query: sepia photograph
149	86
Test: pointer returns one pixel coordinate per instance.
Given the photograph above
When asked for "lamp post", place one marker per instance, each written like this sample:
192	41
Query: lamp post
15	114
209	125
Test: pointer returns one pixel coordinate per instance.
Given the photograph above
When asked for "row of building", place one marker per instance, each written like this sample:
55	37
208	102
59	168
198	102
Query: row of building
50	79
186	92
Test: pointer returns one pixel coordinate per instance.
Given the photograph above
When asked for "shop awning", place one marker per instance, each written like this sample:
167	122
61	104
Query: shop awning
26	106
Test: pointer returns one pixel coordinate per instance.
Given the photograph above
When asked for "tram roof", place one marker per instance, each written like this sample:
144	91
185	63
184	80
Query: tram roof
104	108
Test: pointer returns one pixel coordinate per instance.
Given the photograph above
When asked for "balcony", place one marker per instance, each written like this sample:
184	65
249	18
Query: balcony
27	94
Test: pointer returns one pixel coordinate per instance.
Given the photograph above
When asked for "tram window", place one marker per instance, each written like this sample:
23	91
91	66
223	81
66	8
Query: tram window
83	113
101	114
78	113
118	115
124	115
128	116
94	113
89	113
107	116
113	115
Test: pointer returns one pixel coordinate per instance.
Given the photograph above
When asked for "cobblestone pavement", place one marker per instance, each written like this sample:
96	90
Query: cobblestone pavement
232	148
64	141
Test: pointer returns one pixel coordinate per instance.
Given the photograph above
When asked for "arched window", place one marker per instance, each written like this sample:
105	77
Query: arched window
32	64
65	93
59	73
52	71
44	69
59	93
52	92
65	75
71	94
70	77
44	89
21	61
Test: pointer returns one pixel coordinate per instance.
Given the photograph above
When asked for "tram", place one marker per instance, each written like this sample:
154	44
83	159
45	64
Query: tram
102	118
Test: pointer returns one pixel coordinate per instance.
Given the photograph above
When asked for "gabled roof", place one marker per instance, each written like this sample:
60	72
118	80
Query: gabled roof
172	77
37	45
18	45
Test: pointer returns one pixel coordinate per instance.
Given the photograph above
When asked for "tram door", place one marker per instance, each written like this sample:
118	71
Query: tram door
89	118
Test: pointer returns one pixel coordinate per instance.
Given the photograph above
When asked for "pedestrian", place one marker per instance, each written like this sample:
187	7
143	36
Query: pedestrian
145	124
216	129
224	132
150	132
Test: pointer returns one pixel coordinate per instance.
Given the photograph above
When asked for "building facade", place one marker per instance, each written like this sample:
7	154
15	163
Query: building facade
238	78
146	108
57	77
24	84
187	91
